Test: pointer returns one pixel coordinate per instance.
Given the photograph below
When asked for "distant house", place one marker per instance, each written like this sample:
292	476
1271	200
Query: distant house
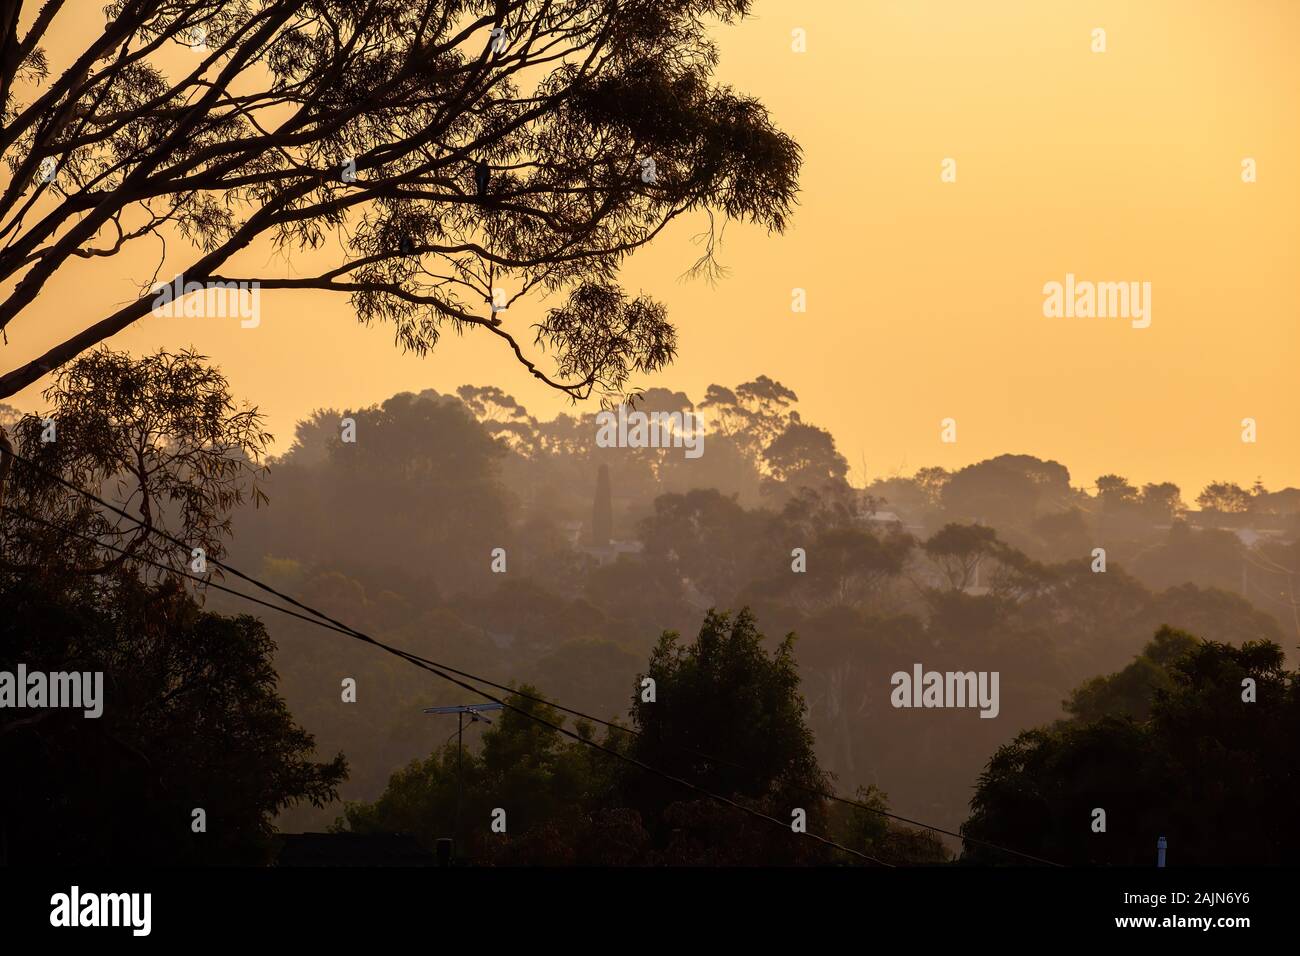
608	553
888	521
351	849
1251	537
603	553
1250	529
883	518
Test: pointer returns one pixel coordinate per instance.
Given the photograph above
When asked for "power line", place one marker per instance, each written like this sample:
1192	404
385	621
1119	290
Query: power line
438	667
1249	558
419	662
1262	593
1281	569
345	629
1245	580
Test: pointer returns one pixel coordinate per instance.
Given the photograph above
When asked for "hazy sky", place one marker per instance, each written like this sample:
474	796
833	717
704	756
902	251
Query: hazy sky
925	298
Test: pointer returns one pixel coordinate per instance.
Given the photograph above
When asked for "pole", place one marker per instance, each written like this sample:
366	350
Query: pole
460	773
460	710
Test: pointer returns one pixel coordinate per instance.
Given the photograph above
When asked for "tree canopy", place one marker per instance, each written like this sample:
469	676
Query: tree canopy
460	156
1196	744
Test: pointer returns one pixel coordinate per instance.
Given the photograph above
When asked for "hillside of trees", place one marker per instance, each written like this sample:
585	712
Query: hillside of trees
990	567
462	529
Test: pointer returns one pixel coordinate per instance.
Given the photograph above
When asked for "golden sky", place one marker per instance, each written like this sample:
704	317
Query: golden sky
924	297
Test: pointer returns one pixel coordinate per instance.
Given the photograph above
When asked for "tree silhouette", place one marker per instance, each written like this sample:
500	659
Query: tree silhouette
159	436
1174	724
725	696
191	718
462	155
1225	497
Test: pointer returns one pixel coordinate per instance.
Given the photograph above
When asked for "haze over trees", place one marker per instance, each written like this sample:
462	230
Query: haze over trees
447	165
897	572
607	549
